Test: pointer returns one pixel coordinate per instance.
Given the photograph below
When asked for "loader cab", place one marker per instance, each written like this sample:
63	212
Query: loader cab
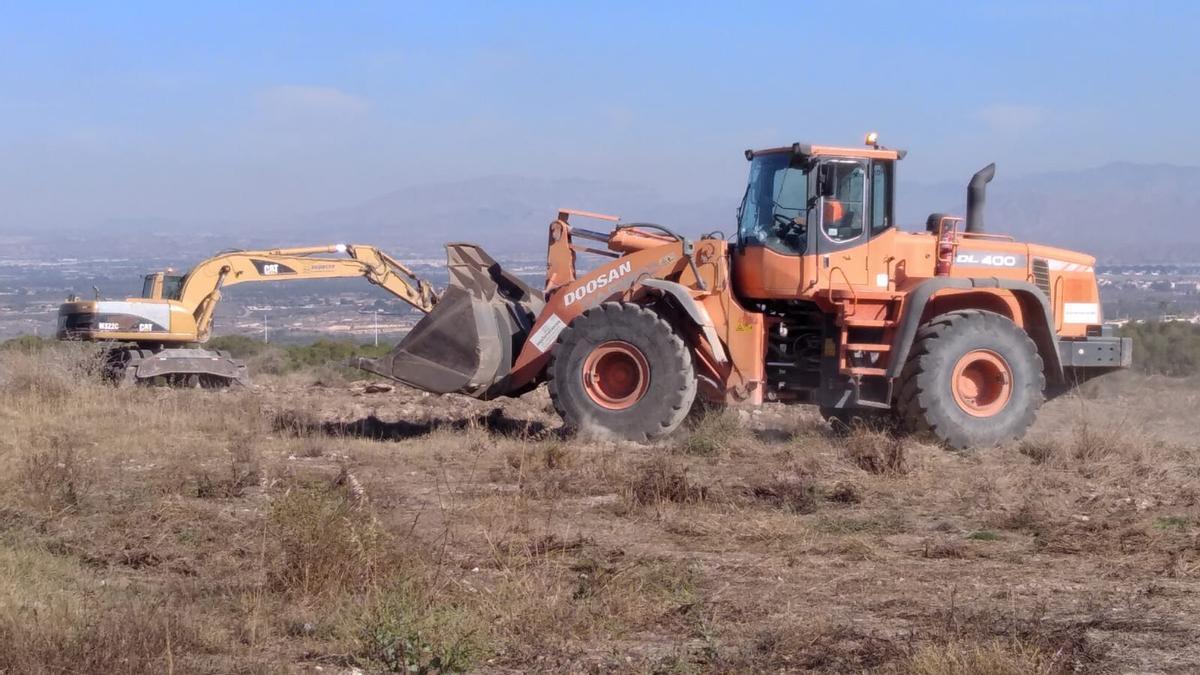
162	286
804	204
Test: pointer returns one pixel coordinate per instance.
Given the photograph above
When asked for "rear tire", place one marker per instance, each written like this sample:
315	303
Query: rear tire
620	370
972	379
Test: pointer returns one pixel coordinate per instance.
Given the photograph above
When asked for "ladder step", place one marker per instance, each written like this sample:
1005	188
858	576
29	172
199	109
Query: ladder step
866	371
850	322
867	347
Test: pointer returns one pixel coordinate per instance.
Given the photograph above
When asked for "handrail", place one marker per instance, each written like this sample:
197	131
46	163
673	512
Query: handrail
986	235
1055	303
846	278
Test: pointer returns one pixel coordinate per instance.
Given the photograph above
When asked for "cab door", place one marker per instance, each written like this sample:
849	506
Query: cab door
881	231
841	238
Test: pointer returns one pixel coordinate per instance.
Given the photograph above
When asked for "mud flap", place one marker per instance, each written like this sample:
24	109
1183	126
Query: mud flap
468	342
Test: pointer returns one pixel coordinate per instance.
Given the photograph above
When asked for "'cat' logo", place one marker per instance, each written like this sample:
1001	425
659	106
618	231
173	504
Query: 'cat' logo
270	268
599	282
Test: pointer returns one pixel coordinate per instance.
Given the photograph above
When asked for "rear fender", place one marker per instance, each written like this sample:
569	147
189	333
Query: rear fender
607	282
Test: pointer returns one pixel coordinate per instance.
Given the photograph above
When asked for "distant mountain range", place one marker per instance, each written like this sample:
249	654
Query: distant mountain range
1119	212
510	214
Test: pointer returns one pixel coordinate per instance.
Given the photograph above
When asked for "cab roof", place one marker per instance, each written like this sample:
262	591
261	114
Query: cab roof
807	150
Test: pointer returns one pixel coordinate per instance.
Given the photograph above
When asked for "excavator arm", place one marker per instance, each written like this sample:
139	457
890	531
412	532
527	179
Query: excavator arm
202	287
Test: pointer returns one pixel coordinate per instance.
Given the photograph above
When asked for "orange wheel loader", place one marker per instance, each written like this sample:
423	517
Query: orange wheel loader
953	332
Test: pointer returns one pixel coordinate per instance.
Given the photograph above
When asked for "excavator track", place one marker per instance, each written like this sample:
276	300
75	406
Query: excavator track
175	366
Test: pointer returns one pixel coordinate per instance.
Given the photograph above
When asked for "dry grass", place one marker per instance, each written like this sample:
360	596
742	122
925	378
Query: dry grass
295	526
876	451
713	431
989	658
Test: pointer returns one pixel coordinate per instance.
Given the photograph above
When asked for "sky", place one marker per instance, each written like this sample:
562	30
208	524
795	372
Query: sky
235	112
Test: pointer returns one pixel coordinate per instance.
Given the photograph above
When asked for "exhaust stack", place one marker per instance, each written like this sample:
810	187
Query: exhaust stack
976	195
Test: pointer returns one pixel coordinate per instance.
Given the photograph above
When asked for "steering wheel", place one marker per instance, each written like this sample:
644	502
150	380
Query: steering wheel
787	225
790	228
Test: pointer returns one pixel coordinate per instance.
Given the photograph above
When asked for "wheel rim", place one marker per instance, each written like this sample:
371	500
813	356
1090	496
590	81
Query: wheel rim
982	383
616	375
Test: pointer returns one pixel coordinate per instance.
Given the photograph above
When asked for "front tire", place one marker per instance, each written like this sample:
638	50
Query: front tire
620	370
973	379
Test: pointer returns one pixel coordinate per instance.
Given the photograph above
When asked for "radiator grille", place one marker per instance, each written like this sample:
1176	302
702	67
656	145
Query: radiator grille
1041	275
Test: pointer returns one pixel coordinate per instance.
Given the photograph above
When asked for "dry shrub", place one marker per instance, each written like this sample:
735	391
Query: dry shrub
796	491
131	635
714	432
650	578
975	637
818	646
552	469
995	657
1091	445
244	471
541	612
51	374
56	617
882	523
325	543
1040	450
941	547
1028	516
854	548
549	455
844	493
408	629
661	480
304	423
876	452
55	479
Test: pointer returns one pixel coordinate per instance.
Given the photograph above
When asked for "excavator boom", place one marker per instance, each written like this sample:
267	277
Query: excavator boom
158	331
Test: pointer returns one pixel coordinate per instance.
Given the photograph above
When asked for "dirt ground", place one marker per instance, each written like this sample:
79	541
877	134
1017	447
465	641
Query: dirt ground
306	526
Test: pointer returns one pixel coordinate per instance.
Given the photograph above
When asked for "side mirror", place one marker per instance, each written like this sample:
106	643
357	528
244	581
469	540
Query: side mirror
826	181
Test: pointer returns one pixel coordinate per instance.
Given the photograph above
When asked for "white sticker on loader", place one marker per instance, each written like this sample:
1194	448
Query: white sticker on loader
544	337
1081	312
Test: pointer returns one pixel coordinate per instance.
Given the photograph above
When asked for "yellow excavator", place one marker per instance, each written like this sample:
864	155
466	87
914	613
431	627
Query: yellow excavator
159	334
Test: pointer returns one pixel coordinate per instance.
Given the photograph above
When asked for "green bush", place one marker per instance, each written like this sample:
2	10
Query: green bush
1165	348
239	346
25	343
329	352
278	359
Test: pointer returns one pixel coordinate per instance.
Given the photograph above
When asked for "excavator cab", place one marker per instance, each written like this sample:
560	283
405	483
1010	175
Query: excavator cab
152	286
162	286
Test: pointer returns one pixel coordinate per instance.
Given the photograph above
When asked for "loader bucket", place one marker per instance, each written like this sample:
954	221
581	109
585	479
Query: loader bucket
467	344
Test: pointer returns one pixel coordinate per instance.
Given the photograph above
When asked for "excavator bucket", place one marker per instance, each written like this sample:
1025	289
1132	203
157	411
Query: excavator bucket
467	344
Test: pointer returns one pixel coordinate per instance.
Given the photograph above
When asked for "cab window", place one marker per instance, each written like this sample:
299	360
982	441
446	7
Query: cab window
881	197
774	210
842	208
172	287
